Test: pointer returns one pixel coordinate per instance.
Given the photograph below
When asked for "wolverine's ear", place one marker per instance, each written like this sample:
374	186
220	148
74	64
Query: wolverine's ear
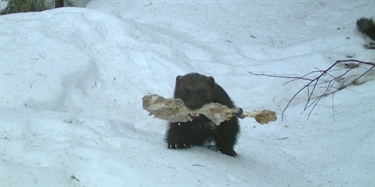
210	81
178	79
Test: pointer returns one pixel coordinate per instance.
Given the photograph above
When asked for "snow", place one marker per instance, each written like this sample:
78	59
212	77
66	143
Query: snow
72	80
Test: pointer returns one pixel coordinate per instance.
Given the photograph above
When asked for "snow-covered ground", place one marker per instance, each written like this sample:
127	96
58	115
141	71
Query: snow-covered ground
72	80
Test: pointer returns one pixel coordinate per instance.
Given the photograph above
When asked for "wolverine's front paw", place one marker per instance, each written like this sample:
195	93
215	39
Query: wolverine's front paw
179	146
229	152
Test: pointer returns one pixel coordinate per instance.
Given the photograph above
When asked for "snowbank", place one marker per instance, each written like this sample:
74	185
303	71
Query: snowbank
72	80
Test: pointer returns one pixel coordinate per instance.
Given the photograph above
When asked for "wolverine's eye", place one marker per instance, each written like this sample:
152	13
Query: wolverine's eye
186	92
201	92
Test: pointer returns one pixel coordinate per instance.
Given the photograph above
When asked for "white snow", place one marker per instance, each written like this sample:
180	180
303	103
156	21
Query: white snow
72	80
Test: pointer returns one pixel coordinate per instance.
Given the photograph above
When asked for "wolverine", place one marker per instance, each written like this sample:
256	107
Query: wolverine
196	90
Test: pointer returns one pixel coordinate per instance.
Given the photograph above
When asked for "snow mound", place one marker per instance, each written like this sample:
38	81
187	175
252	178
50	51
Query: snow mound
72	82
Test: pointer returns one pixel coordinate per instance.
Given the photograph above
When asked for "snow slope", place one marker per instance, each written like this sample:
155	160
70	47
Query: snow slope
72	80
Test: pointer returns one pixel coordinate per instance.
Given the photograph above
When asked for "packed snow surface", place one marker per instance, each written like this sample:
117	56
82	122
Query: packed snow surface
72	82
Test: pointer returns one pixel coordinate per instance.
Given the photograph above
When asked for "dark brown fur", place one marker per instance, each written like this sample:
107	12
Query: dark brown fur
196	90
366	26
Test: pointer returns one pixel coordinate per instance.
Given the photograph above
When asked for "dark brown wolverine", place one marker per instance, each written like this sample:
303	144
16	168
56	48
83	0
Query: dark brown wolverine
196	90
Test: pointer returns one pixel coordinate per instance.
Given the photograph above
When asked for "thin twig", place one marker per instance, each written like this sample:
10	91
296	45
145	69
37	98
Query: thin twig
313	83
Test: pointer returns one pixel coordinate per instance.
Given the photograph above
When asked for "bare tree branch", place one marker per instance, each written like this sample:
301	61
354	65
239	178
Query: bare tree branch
318	82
